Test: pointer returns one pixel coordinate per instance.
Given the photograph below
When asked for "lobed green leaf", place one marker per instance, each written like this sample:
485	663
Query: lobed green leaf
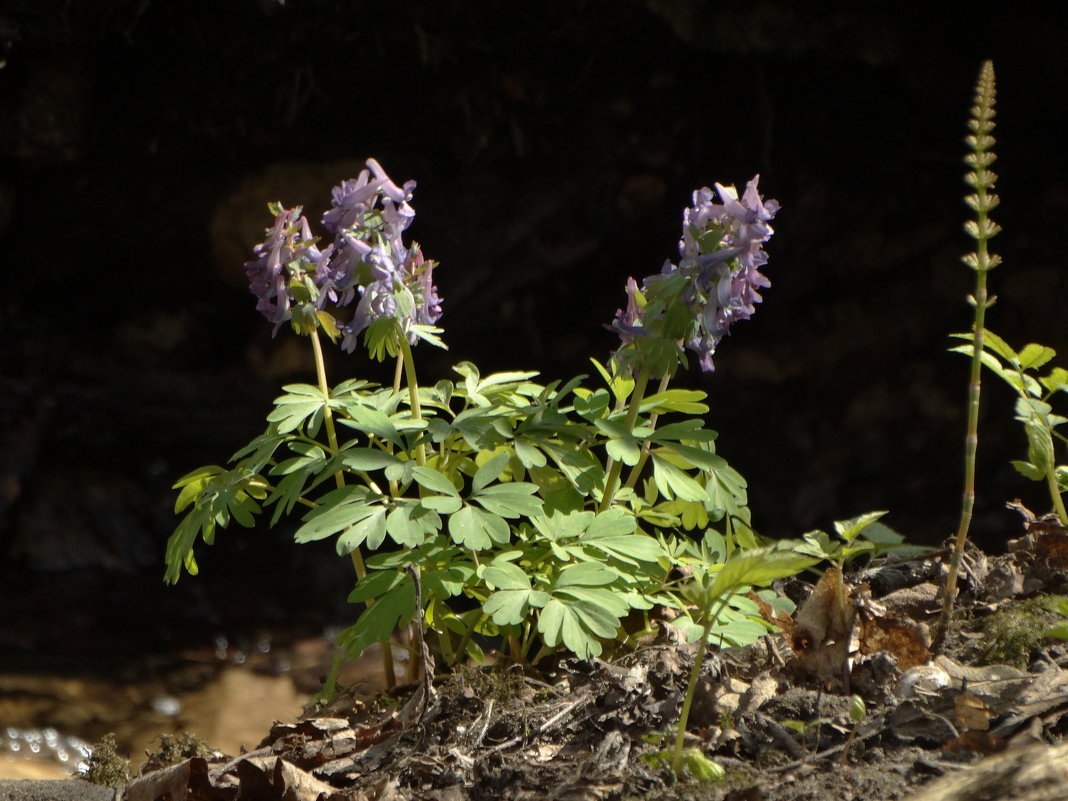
409	523
684	401
361	459
392	607
301	402
514	499
477	530
1034	356
850	529
584	574
758	566
674	483
1056	381
338	510
374	423
580	618
489	472
431	479
529	455
370	529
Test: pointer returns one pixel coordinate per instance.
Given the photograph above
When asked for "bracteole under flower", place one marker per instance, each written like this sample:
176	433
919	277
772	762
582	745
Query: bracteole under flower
693	304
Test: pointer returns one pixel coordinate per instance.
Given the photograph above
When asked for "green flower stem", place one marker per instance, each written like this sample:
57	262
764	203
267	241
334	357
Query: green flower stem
531	635
420	453
636	471
331	432
413	393
331	436
328	415
691	688
641	381
398	372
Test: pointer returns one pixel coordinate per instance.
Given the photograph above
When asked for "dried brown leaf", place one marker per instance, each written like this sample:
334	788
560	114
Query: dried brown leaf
976	742
906	642
822	629
274	779
972	712
186	781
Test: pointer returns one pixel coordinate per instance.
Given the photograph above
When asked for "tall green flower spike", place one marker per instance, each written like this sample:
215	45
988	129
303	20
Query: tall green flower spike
982	229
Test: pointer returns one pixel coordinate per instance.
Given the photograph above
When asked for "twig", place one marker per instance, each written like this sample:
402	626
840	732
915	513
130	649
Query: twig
544	727
863	733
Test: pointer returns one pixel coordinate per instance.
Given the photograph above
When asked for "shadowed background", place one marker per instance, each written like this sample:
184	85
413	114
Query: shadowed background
555	145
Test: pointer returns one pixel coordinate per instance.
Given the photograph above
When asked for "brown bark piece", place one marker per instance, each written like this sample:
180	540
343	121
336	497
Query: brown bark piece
1034	773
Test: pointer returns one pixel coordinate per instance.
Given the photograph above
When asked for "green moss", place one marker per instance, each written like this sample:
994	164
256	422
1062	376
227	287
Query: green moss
501	685
1014	632
772	758
174	749
106	767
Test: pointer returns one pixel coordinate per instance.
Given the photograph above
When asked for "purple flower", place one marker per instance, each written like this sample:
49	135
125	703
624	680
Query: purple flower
628	324
355	200
370	215
368	258
404	291
428	303
284	258
736	280
717	278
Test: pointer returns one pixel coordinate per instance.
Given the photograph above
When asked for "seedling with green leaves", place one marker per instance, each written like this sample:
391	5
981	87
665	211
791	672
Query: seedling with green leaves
1034	393
711	594
861	536
857	712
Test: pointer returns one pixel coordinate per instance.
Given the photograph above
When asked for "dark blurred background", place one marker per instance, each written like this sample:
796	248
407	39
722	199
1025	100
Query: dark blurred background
555	145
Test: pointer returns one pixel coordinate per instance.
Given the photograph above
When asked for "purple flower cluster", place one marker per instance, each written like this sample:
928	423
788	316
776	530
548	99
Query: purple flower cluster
294	279
289	243
716	280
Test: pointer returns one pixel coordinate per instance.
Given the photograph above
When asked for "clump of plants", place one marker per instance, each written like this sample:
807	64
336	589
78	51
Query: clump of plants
106	766
497	505
173	749
537	514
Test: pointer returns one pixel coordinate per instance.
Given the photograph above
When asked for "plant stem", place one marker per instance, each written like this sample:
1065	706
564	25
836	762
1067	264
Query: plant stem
331	436
691	688
982	261
461	649
328	415
398	372
1055	494
331	433
406	356
636	471
636	397
971	444
413	393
